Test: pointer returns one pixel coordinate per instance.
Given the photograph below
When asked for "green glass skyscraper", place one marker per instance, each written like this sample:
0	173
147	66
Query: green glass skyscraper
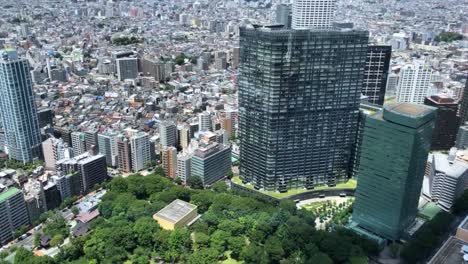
395	145
299	95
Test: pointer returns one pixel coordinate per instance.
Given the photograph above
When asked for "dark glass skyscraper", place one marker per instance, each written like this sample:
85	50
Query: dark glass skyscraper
395	145
376	73
447	121
299	94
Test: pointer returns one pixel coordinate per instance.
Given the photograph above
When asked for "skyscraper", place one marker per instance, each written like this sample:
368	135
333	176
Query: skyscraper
464	105
396	142
313	14
376	73
447	121
19	115
211	162
127	68
414	83
299	93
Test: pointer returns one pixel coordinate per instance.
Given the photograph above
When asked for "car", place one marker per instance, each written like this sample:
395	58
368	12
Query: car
22	237
342	194
322	196
297	200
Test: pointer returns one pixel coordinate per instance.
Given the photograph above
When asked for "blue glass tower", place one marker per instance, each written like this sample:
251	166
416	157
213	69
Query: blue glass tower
19	116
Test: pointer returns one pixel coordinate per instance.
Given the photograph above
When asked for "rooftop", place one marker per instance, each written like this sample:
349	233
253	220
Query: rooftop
176	210
8	194
413	110
407	114
464	224
449	252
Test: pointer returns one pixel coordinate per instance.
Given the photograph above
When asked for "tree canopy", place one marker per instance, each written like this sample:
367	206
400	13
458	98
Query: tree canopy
233	225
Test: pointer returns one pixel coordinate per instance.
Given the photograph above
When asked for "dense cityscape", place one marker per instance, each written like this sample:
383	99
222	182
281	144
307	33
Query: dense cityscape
234	132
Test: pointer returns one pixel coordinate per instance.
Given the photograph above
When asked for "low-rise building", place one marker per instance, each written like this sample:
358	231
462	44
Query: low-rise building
176	214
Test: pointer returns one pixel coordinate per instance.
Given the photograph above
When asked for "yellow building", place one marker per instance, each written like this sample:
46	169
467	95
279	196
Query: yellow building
177	214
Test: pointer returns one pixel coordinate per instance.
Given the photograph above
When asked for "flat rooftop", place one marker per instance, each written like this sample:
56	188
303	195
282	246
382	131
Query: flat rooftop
8	194
449	252
408	109
176	210
464	224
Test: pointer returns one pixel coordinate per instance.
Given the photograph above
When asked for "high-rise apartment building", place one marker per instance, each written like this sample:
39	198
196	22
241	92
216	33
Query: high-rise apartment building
13	213
140	151
168	134
447	121
92	169
211	162
313	14
184	167
299	95
55	149
204	122
414	83
395	145
91	139
184	136
392	84
107	143
18	109
169	161
78	140
124	154
376	73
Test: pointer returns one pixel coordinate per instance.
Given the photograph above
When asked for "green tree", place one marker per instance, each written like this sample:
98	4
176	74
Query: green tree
57	240
204	256
273	249
195	182
321	258
220	187
75	210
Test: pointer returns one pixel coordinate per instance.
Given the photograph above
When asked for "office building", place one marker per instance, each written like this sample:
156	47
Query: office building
140	151
127	68
313	14
211	162
299	98
204	122
446	123
168	134
52	196
462	137
184	167
414	83
376	73
19	115
55	149
169	161
449	177
13	213
283	15
78	140
389	187
92	169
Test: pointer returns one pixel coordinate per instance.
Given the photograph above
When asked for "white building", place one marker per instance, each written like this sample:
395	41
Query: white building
204	121
140	151
55	149
313	14
168	134
448	177
414	83
184	167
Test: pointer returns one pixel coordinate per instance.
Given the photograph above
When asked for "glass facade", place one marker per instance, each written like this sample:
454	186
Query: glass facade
395	145
19	115
299	94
